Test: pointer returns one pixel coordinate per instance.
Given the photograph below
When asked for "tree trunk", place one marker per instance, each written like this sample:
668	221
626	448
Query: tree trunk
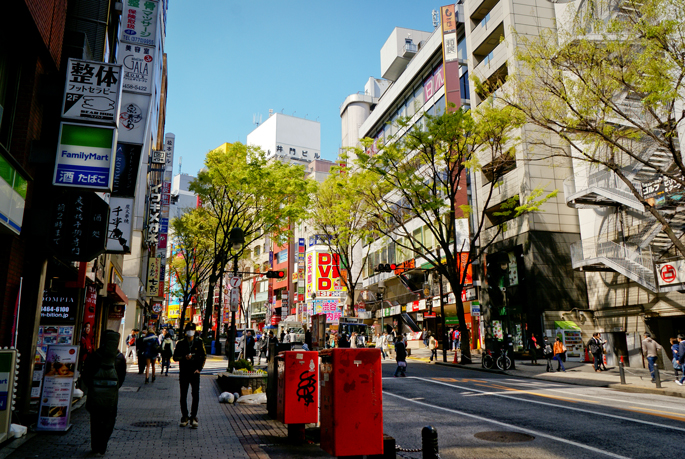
209	305
463	329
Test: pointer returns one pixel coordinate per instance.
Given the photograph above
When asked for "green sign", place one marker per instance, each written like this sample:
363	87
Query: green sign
452	320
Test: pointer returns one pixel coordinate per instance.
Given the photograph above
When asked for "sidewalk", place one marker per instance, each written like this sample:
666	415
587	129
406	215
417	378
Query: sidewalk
637	379
147	425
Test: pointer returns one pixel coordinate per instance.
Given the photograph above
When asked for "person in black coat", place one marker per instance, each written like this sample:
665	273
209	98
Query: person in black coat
139	351
103	374
400	357
249	347
191	356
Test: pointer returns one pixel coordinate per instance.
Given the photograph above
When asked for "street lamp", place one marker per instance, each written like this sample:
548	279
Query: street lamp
237	239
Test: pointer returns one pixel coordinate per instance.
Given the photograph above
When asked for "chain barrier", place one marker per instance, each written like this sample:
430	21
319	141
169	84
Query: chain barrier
398	448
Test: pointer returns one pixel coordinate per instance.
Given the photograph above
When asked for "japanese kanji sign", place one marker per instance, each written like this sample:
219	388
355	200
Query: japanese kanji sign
139	22
139	67
84	157
126	164
154	266
154	214
132	117
120	225
92	91
78	227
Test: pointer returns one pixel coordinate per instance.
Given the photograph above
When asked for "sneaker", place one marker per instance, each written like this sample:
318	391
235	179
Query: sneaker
184	422
678	382
193	423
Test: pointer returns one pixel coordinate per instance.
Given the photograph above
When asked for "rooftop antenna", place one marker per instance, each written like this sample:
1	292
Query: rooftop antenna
180	164
436	22
256	121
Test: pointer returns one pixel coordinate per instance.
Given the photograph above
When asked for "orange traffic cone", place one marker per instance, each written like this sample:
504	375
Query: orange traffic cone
455	356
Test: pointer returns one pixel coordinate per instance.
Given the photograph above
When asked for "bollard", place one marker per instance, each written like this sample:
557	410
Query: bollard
622	372
429	442
657	378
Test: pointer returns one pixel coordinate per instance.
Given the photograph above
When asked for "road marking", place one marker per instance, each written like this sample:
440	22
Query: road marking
663	414
538	402
612	399
535	433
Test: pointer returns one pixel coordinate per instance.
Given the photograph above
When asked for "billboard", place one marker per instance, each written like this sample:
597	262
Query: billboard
92	91
323	274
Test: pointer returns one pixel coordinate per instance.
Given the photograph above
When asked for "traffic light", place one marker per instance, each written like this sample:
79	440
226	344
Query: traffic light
385	268
275	274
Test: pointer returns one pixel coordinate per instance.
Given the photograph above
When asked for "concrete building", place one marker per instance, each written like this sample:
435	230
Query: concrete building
288	138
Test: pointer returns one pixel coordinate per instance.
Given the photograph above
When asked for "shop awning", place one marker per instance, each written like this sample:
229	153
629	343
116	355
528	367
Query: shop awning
566	325
115	293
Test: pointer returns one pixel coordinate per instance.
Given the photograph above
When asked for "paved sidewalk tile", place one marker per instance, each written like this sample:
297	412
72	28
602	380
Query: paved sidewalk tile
156	402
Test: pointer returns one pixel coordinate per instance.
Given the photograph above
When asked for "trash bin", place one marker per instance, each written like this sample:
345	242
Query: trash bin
298	387
351	402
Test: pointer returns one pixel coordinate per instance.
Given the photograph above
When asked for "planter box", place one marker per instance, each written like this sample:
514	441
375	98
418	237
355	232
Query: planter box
229	382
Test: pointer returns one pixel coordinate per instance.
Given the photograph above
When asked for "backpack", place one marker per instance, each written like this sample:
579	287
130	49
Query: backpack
548	349
131	340
594	347
103	390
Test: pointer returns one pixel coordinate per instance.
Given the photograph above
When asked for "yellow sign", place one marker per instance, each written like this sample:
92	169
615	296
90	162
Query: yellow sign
173	311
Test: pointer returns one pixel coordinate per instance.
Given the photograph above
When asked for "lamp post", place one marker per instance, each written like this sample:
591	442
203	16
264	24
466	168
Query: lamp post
237	240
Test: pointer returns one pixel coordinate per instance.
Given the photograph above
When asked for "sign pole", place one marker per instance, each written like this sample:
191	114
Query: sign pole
231	345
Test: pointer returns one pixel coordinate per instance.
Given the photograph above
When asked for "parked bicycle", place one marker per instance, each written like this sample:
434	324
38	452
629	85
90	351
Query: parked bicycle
502	361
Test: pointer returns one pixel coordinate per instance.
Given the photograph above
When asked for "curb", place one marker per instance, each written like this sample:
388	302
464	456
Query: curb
464	367
646	390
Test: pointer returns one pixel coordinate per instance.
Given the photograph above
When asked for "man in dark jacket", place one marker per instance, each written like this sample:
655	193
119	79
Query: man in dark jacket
681	358
249	347
190	355
103	374
400	357
139	350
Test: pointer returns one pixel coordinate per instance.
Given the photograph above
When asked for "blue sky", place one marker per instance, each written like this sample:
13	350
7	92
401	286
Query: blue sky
231	59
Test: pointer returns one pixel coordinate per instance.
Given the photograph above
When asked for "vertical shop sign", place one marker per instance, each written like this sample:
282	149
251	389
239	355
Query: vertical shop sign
126	164
120	225
78	228
154	265
450	57
84	157
154	213
92	91
139	68
139	22
133	117
58	387
88	331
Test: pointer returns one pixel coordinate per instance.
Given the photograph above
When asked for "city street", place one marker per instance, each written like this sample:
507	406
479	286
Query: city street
568	421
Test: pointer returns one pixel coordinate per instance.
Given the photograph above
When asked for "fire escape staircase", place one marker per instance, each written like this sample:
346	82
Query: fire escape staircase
603	189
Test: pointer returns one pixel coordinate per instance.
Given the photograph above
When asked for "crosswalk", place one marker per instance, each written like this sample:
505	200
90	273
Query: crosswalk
212	367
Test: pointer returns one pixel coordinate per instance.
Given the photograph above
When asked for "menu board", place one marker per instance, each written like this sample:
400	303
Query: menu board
47	335
58	387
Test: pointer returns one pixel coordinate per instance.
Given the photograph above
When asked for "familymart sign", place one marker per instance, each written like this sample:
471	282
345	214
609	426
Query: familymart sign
84	157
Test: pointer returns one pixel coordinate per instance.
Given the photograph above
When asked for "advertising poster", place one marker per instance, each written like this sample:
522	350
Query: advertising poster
88	331
139	68
325	275
139	22
133	117
58	386
84	157
92	91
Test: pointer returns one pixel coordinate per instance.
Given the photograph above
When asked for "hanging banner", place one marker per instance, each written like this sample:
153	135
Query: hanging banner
84	157
126	163
92	91
133	117
449	71
154	214
139	22
153	277
139	68
58	387
120	225
88	330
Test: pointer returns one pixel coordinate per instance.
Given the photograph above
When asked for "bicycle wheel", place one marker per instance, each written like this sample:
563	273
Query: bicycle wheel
503	362
488	361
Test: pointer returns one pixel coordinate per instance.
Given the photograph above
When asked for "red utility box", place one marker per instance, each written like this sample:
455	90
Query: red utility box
351	402
298	387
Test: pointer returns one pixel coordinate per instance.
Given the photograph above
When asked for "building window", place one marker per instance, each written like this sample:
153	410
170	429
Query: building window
257	251
502	212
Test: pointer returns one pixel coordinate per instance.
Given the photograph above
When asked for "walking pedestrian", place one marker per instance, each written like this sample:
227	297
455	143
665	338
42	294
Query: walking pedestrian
150	352
547	353
595	348
249	347
272	340
190	355
603	350
674	353
400	358
167	351
559	350
681	358
103	374
382	344
433	346
456	339
533	346
650	349
139	350
424	337
263	348
353	340
131	346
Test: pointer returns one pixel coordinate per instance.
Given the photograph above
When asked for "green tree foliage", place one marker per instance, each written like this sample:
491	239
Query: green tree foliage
339	214
419	179
239	188
609	82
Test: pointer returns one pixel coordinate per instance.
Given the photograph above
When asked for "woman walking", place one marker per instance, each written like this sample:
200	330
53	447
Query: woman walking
400	358
433	346
559	349
150	352
167	352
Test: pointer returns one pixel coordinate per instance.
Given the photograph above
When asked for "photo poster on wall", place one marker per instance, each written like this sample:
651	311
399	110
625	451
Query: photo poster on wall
58	386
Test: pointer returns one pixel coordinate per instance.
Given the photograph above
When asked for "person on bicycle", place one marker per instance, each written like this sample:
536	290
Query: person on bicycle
559	350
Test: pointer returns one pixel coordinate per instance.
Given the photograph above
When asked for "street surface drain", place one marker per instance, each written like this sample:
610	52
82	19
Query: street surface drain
504	437
150	424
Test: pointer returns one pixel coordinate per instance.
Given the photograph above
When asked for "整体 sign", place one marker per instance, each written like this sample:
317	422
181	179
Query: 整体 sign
671	273
139	68
84	157
78	228
92	91
139	21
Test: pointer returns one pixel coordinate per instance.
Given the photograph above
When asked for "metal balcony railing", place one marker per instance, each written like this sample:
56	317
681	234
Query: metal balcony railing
630	260
598	189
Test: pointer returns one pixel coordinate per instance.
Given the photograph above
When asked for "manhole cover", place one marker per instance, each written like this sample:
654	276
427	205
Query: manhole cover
150	424
504	437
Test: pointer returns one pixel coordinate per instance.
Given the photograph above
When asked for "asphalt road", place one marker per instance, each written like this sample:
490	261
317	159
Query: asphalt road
566	421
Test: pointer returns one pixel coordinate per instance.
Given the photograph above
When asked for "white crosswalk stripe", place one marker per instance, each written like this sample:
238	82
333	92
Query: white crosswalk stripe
212	367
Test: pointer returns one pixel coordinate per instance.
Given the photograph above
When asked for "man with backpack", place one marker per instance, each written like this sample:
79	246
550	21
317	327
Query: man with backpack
103	374
547	353
456	339
167	350
595	348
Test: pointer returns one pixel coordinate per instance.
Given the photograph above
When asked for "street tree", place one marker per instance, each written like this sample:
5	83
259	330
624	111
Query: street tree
419	179
609	82
191	256
340	216
240	188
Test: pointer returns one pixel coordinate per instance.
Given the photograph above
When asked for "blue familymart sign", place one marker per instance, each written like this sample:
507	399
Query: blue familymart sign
84	157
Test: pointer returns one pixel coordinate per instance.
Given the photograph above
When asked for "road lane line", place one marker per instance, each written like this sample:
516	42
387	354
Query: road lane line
567	391
662	414
538	402
534	433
